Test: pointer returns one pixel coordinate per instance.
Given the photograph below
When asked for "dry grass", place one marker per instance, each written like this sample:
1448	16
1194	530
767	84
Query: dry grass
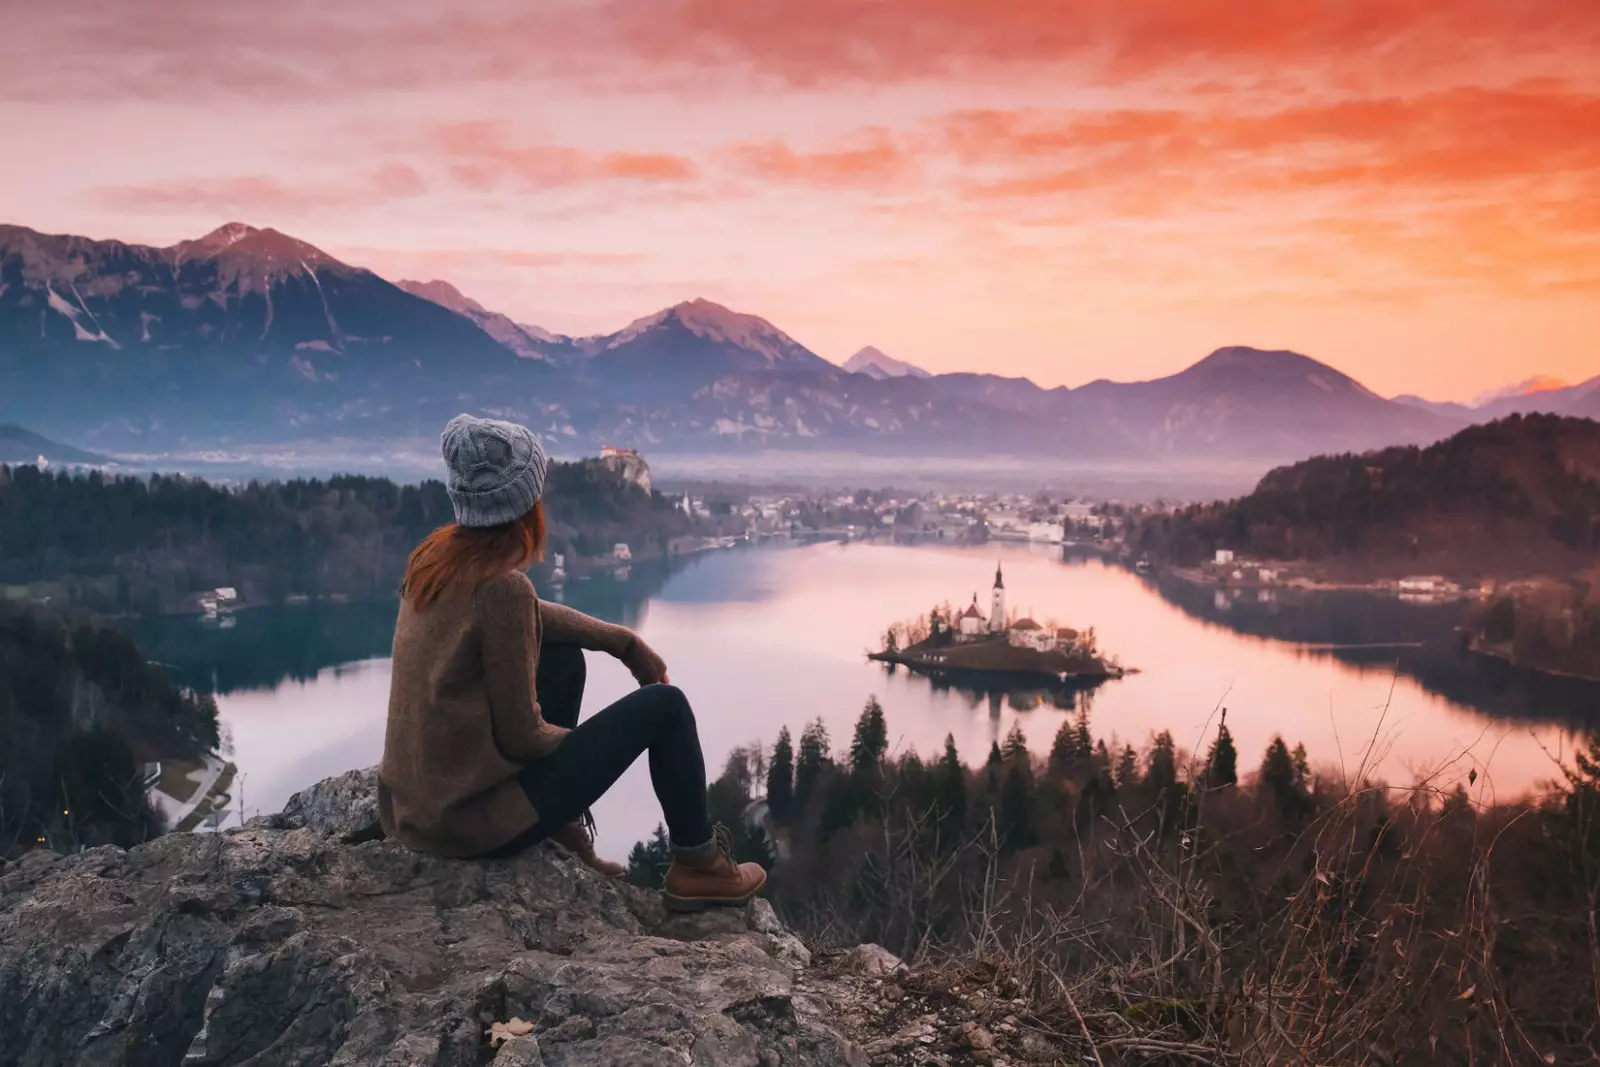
1393	927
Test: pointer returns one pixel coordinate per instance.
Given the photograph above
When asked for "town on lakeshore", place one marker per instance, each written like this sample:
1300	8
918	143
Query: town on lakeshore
951	642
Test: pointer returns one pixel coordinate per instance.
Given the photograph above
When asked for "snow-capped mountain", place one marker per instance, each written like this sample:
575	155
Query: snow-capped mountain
1540	394
1539	383
250	336
680	349
875	364
234	333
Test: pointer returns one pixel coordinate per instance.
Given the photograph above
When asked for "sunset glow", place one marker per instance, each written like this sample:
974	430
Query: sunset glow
1407	189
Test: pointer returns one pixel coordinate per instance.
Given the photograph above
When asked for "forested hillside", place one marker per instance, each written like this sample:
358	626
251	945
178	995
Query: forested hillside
80	709
1143	899
149	545
1516	497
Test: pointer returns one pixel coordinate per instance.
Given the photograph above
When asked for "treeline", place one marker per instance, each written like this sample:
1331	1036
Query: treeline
1513	497
122	544
1212	908
80	711
1546	626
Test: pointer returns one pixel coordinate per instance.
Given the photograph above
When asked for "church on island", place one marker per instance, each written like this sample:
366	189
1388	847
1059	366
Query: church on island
971	625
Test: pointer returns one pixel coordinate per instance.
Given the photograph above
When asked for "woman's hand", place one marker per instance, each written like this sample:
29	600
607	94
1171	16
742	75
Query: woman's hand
642	662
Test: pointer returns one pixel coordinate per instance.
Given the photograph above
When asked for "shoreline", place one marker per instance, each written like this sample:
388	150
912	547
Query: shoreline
917	663
1379	586
1477	648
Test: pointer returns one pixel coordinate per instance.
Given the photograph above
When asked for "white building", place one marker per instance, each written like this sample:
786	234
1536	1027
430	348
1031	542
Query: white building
1224	557
1025	633
1046	531
997	603
970	623
620	552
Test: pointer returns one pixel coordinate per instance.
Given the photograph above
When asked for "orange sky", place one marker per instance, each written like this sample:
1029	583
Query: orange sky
1066	189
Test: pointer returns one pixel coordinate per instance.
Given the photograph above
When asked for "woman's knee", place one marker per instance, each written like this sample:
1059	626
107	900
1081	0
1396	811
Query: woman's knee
670	704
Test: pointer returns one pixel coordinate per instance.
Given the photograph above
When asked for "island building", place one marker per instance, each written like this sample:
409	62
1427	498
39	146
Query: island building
971	625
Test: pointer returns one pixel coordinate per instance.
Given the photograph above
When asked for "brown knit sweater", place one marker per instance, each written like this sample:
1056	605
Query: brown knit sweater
464	717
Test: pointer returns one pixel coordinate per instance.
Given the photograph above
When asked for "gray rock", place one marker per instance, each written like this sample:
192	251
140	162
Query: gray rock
345	807
291	941
871	961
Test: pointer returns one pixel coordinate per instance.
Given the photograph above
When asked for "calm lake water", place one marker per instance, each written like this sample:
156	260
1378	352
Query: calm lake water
762	637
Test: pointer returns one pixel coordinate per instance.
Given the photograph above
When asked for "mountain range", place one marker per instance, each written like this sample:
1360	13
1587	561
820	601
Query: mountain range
249	336
875	364
24	446
1541	394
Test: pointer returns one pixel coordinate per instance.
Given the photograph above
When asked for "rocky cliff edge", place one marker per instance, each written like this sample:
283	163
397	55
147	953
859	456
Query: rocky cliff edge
302	938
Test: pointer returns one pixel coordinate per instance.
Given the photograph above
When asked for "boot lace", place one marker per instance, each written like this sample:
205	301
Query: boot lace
724	839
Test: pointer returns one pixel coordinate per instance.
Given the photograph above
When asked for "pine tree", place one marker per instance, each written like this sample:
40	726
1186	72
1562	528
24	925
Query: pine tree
780	778
1127	768
871	741
842	798
1282	781
1222	762
1085	740
1016	750
647	863
1016	812
992	765
814	756
1583	796
1585	773
1063	751
913	776
1161	771
1302	767
950	790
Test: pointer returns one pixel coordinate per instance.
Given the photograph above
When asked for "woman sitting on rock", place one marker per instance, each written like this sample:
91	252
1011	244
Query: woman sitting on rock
483	754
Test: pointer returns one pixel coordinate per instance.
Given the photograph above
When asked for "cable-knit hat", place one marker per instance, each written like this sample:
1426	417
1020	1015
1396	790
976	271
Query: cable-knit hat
496	470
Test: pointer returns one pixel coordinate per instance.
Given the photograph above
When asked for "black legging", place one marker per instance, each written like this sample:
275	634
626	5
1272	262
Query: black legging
656	719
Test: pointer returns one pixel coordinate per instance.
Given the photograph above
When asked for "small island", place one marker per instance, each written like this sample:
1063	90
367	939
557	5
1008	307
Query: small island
948	642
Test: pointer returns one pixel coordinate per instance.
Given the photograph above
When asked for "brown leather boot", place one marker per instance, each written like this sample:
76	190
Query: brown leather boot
574	837
695	883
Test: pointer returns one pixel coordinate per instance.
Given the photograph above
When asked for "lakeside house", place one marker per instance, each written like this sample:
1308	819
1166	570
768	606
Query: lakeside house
223	598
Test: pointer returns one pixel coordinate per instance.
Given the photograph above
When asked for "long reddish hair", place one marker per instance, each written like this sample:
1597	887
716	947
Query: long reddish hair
470	555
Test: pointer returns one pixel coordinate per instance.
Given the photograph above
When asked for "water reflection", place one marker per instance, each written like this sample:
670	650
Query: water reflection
1373	632
1000	691
765	637
268	646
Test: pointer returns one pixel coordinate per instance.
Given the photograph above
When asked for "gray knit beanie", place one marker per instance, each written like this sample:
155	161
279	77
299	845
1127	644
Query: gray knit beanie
496	470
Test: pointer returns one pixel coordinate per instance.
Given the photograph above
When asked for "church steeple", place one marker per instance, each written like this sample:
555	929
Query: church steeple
997	604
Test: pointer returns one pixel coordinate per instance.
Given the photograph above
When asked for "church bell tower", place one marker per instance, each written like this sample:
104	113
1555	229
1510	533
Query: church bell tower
997	604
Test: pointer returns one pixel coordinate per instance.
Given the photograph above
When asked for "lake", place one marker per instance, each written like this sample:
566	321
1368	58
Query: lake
760	637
